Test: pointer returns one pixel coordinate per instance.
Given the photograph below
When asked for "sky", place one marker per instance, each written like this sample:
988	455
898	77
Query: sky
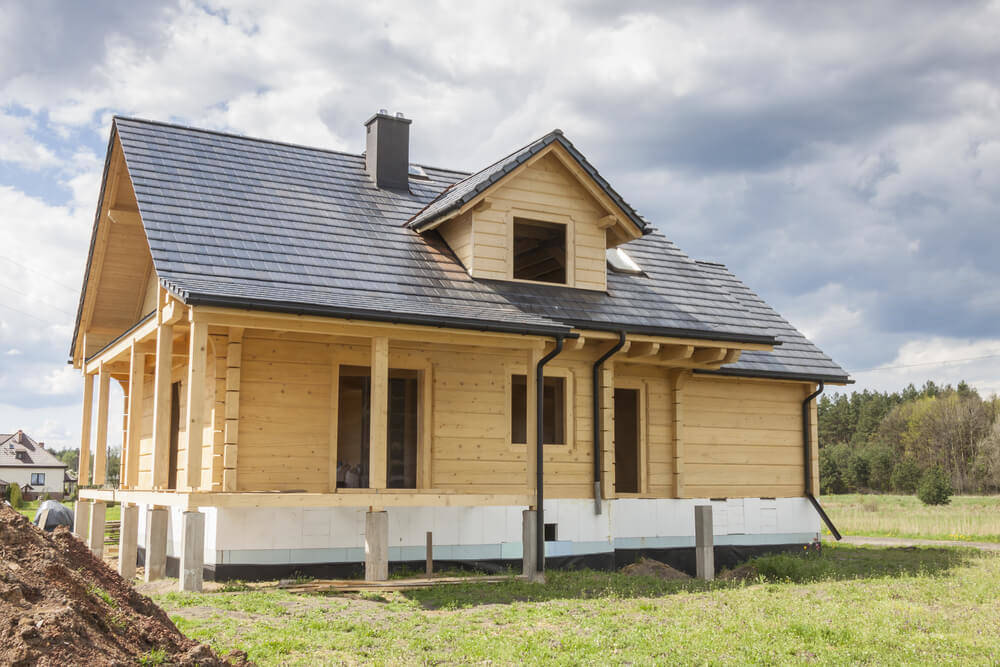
843	159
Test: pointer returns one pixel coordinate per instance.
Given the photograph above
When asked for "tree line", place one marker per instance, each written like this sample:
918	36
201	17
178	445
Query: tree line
887	442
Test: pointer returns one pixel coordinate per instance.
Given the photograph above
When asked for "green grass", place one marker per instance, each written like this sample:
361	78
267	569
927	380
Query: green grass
967	518
846	605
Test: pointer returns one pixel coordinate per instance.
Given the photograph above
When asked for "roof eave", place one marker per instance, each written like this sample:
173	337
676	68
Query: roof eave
779	375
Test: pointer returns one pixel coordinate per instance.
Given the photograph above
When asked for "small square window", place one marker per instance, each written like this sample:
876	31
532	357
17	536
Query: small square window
38	479
554	419
539	251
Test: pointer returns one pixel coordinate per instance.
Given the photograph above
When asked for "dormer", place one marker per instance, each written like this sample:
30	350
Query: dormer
540	215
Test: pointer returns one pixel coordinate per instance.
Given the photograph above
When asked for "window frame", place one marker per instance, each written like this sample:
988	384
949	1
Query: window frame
548	217
34	475
569	395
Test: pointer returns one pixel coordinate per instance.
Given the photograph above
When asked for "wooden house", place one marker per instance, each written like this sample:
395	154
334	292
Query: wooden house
326	356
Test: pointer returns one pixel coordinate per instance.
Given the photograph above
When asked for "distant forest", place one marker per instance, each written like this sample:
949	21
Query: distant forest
872	441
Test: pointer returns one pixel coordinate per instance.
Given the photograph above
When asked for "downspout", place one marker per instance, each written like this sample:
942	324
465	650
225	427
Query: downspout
807	440
596	421
539	459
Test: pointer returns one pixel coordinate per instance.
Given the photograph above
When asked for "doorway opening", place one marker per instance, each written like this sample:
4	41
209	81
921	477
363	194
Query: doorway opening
175	433
626	440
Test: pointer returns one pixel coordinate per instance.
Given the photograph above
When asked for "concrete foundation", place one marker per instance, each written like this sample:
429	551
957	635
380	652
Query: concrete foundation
128	541
377	546
704	545
81	520
95	536
156	544
192	551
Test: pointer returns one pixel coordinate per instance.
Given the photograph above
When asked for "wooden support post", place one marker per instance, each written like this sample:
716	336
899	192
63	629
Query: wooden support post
83	477
531	420
95	536
156	544
677	380
607	390
378	439
128	541
161	405
377	546
197	351
430	553
332	433
101	441
234	360
192	551
130	453
704	540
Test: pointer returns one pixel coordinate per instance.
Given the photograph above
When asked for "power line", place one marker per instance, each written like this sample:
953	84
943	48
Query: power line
927	363
42	301
39	272
34	317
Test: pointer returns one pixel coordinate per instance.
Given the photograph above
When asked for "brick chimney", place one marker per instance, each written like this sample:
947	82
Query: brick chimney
387	150
41	445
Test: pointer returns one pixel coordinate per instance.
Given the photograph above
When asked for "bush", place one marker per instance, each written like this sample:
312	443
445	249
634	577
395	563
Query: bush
935	487
906	476
15	497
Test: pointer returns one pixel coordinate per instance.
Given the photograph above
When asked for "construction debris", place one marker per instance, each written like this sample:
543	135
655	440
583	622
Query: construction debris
60	606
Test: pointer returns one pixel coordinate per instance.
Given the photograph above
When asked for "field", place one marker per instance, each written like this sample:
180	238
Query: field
113	512
966	518
848	604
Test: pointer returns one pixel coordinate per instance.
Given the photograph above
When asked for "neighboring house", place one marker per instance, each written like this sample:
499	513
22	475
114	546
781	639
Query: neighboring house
327	355
27	463
69	483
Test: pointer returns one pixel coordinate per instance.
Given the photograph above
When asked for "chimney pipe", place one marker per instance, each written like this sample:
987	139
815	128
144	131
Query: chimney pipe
387	150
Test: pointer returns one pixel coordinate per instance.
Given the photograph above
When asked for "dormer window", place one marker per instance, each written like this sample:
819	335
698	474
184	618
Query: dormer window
539	251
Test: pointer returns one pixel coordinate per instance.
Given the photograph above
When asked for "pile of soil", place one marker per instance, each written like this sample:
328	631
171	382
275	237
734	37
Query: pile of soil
59	606
647	567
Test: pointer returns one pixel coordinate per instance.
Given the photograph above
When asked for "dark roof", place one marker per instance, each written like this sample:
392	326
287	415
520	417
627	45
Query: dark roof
20	450
469	188
241	222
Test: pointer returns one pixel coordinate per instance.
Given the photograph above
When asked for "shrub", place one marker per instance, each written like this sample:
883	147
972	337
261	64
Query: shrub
935	487
16	499
906	476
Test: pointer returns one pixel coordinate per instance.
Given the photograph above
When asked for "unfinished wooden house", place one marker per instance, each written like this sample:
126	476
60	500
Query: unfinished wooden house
325	356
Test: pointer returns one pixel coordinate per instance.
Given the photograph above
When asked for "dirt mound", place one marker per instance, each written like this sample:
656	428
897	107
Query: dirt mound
59	605
647	567
745	572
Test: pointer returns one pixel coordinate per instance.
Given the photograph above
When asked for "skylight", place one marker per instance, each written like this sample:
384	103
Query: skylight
620	262
416	171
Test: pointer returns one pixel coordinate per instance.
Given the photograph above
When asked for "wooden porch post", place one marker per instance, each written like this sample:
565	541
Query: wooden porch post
234	357
161	405
133	429
677	380
101	443
379	427
607	390
83	474
196	401
533	357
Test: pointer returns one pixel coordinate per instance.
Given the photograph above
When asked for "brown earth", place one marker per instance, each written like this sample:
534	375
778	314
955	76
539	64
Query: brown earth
59	606
647	567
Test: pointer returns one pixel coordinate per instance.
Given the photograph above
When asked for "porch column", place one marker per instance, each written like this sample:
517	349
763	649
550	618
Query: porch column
192	551
197	351
95	538
83	472
133	428
234	357
161	405
101	443
156	544
678	378
128	541
379	410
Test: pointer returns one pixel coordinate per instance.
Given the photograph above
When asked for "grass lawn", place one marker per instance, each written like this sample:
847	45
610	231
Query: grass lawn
848	604
113	512
969	518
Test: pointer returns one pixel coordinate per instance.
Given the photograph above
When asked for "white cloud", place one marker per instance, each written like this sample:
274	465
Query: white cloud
946	360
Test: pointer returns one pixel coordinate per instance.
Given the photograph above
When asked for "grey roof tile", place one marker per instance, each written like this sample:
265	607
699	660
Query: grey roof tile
243	222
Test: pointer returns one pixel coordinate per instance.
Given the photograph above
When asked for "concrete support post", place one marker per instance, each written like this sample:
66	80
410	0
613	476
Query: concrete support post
156	544
704	543
95	536
128	541
377	546
192	551
81	520
529	548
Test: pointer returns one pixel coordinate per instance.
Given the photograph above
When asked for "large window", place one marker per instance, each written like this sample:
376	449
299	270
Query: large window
38	479
554	405
354	422
539	251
